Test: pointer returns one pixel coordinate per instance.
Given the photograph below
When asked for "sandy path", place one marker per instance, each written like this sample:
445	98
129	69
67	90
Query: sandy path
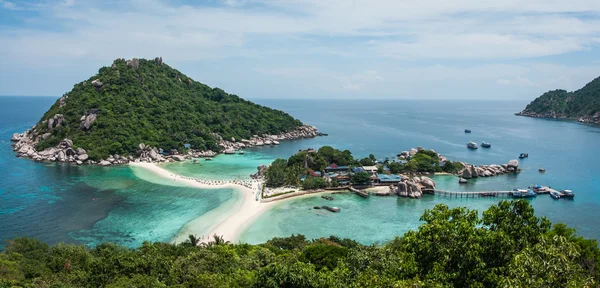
230	221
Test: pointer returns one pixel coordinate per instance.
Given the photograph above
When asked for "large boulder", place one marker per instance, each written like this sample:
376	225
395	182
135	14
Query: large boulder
466	174
427	182
55	121
87	121
513	164
96	83
154	155
178	157
104	163
61	156
414	191
473	171
81	151
401	187
462	180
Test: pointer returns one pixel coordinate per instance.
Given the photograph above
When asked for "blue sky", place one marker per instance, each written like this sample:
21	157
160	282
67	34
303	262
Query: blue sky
393	49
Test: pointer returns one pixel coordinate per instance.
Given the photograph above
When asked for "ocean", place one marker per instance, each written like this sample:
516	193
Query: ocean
89	205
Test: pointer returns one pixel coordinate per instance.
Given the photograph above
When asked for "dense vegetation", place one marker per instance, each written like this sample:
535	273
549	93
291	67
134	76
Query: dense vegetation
159	106
288	172
507	247
584	102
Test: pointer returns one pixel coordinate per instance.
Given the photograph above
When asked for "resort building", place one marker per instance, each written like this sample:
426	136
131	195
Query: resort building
370	169
388	179
336	168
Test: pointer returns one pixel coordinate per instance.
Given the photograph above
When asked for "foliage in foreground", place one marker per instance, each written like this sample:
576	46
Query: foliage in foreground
507	247
159	106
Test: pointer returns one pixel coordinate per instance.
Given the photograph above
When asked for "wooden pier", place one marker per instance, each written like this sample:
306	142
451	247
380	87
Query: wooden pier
360	193
457	194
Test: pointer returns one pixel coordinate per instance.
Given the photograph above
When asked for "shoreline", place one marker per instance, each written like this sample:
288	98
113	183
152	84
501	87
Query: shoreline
230	219
229	225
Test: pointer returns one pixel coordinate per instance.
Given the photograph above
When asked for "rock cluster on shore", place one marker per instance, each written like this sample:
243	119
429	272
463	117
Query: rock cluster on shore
24	145
595	119
413	187
301	132
472	171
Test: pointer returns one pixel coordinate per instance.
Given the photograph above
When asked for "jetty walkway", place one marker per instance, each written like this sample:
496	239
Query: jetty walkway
457	194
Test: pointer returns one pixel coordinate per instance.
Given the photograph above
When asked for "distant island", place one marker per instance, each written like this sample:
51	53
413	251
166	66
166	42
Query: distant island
582	105
144	109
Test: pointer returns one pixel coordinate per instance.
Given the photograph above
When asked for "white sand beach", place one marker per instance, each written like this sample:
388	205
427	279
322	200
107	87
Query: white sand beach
228	221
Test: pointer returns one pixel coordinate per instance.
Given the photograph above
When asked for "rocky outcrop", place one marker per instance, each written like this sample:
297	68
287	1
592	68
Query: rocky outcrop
96	83
260	174
427	182
55	121
301	132
135	63
472	171
88	119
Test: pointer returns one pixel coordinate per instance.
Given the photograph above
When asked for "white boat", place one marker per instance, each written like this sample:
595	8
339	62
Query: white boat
472	145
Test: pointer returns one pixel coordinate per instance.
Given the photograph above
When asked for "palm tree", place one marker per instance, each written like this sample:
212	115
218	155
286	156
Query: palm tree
218	240
192	240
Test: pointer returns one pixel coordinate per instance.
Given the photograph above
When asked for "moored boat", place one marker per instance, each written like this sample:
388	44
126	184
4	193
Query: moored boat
472	145
207	159
554	195
567	194
488	194
241	152
467	131
523	155
486	144
523	193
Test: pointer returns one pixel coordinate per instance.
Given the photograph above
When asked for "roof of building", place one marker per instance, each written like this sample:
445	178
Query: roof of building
370	168
389	178
357	169
336	167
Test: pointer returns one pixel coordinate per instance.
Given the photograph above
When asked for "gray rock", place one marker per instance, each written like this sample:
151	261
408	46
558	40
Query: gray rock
82	157
96	83
401	187
61	157
473	171
229	151
104	163
513	164
70	152
135	63
466	173
427	182
81	151
462	180
154	155
78	162
87	121
178	157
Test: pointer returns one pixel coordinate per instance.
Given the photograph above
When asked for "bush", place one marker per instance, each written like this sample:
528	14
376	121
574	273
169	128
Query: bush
314	183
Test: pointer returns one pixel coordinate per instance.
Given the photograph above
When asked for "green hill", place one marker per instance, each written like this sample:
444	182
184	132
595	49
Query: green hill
582	105
146	101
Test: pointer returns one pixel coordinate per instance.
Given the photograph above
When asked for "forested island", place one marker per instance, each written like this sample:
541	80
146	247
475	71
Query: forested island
139	105
582	105
508	246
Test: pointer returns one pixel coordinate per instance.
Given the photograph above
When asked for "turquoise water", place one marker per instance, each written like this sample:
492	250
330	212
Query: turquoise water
567	150
63	203
92	204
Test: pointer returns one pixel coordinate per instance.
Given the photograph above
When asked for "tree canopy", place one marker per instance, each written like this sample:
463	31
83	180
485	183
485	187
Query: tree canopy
508	247
580	103
156	105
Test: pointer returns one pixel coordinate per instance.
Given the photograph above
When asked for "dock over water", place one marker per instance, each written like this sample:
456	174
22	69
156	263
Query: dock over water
457	194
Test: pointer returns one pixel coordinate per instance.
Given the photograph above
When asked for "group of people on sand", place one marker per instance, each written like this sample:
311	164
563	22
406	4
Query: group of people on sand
245	183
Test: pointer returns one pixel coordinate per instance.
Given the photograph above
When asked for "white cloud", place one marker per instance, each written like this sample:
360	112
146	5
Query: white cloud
331	46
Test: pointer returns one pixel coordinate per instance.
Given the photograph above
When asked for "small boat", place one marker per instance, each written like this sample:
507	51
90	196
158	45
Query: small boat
542	170
207	159
488	194
472	145
467	131
554	195
486	144
241	152
539	189
523	155
567	194
523	193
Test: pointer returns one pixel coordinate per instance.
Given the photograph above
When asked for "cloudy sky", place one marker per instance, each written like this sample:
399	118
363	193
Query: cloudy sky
428	49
